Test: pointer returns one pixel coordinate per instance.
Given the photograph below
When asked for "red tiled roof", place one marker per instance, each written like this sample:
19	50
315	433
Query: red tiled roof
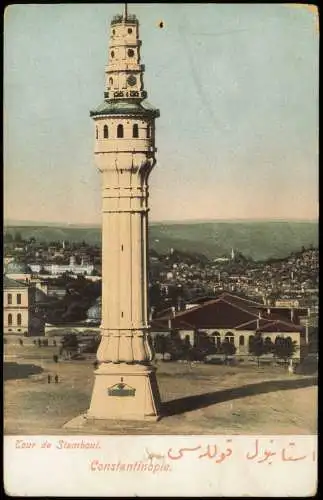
284	317
280	326
217	313
238	300
157	324
254	324
228	311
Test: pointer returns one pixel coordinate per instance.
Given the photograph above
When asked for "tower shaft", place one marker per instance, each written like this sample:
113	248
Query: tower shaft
125	383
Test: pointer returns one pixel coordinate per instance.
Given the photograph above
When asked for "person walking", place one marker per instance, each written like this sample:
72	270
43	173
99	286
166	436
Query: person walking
56	379
49	379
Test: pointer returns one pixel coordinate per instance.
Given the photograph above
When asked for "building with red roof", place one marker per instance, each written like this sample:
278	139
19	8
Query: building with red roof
231	317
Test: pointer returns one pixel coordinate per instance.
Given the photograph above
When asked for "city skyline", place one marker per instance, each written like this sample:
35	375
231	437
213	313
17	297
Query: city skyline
237	86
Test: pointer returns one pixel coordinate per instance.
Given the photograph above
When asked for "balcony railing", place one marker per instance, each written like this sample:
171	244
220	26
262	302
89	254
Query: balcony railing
131	18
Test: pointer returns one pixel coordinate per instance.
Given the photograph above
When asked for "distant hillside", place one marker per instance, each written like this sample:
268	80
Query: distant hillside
259	240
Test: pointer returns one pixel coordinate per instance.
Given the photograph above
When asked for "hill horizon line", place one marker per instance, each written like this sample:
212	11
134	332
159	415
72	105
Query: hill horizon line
15	222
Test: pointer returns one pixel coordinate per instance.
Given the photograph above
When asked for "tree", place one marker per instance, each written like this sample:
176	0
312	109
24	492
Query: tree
160	344
18	237
204	343
257	346
8	238
268	346
69	345
228	349
175	346
285	348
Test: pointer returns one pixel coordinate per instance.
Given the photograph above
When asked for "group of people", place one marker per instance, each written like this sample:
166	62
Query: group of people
49	378
39	342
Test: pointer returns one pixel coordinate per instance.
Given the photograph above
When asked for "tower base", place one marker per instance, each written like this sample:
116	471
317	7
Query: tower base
125	392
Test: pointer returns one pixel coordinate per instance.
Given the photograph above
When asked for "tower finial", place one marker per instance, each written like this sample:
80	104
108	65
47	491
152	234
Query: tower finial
125	15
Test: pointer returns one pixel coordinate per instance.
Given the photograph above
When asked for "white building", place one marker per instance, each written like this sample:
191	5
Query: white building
59	269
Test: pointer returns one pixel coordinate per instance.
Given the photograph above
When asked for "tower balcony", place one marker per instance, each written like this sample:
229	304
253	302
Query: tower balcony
119	19
124	41
123	66
119	94
132	146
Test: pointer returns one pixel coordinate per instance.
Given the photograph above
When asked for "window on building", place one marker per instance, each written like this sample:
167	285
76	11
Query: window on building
9	298
9	319
18	298
106	132
148	132
135	130
131	52
96	132
129	31
216	338
110	81
230	337
120	131
112	53
19	319
241	340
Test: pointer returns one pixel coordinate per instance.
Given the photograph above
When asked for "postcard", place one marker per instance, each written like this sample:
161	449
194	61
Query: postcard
160	250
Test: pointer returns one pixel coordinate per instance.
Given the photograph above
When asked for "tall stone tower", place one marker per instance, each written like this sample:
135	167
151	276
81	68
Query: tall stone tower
125	384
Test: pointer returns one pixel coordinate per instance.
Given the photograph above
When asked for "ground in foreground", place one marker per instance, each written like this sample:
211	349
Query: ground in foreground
203	399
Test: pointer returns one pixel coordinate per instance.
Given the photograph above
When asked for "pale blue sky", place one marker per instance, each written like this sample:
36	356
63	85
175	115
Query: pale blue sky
237	87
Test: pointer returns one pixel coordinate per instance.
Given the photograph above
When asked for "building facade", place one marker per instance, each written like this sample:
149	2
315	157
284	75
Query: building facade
233	319
19	309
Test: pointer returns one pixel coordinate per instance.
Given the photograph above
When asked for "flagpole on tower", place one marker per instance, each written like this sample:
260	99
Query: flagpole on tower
125	11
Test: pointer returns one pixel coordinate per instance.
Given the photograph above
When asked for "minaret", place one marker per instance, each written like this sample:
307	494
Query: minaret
125	384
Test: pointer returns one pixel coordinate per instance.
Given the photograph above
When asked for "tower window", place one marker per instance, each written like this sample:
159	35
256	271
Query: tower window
113	32
129	31
18	298
135	130
106	132
9	298
131	52
19	319
120	131
148	132
112	53
110	81
96	132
